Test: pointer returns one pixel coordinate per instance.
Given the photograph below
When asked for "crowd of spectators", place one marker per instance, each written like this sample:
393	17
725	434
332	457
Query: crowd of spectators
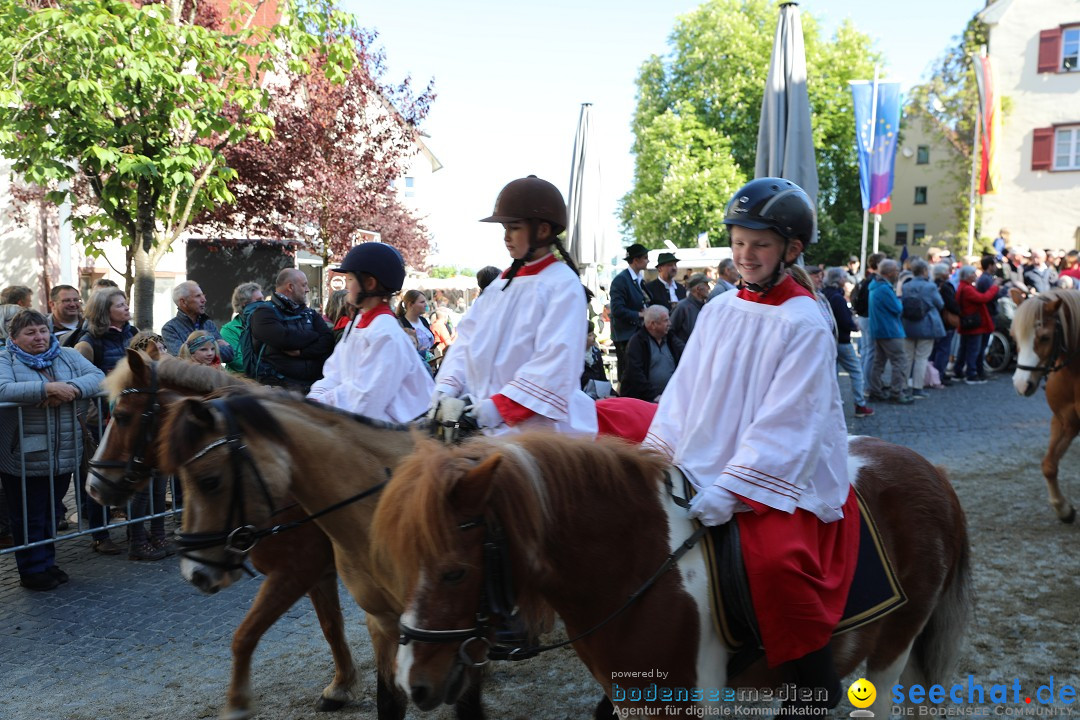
921	324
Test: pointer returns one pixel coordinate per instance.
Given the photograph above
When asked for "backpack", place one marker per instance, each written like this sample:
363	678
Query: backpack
915	308
862	298
251	351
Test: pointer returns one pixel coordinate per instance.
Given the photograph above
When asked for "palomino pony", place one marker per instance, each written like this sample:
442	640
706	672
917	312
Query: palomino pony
298	563
1047	332
241	457
554	523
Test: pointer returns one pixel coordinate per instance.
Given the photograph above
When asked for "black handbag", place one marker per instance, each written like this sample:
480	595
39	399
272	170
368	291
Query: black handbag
971	321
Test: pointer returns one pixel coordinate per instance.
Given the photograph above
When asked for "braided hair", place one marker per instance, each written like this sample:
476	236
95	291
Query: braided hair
534	226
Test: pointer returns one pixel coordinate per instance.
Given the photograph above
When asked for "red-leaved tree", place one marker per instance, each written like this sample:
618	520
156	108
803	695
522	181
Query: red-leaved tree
328	172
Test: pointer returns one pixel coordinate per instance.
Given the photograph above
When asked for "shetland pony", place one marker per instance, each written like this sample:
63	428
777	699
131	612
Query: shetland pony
1046	328
241	457
584	523
300	562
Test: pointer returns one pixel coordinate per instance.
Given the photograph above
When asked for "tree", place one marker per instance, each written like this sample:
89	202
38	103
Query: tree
140	101
328	172
698	109
950	99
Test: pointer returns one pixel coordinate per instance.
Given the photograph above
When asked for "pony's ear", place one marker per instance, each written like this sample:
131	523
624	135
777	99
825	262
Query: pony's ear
152	351
1052	306
472	490
136	363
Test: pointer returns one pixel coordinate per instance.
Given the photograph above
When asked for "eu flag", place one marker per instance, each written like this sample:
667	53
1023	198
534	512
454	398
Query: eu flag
876	163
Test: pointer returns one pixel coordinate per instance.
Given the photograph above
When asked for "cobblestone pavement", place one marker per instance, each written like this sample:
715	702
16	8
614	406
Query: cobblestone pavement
126	640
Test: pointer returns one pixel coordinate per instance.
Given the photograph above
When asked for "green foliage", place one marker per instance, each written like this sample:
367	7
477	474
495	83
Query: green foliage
443	272
950	99
696	122
138	104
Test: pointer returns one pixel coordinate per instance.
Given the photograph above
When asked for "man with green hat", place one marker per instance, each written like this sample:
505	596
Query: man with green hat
628	301
664	290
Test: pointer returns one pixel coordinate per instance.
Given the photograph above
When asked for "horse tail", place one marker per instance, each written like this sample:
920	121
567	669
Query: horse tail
938	647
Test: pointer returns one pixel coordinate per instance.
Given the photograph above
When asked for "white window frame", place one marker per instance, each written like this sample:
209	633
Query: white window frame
1071	135
1070	35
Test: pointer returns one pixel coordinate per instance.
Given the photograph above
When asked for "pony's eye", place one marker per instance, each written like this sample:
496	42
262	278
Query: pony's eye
123	419
210	483
453	577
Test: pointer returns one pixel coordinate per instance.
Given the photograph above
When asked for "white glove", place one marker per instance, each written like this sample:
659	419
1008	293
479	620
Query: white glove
714	506
436	398
485	413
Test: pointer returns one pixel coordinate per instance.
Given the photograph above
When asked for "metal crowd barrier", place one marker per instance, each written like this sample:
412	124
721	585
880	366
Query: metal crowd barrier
75	492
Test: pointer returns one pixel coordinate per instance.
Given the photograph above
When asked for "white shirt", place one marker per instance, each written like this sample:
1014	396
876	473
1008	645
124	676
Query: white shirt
375	371
525	343
672	295
763	419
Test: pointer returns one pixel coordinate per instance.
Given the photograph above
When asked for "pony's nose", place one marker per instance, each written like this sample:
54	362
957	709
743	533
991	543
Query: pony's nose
202	580
424	696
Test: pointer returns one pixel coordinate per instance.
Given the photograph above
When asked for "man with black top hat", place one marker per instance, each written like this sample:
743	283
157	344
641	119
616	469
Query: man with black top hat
628	301
664	290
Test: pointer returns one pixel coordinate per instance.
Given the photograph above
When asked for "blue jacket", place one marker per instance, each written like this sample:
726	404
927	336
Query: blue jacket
885	308
931	325
627	299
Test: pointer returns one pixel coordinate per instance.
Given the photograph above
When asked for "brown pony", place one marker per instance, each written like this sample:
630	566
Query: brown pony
294	564
582	524
241	457
1047	332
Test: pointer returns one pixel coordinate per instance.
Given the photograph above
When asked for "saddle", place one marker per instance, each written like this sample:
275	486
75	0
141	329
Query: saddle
875	590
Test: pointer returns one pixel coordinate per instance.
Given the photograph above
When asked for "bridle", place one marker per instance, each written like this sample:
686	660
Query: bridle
135	467
1059	354
498	599
240	536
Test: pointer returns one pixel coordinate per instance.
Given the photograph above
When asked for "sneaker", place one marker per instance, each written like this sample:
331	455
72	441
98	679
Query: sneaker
105	547
39	581
7	541
902	399
60	575
975	381
863	411
145	551
919	394
876	396
62	524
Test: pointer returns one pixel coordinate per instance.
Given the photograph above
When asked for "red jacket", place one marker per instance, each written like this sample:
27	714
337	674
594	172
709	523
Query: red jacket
973	301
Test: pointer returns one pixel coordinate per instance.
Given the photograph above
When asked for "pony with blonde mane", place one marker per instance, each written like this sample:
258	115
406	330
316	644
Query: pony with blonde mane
302	562
243	457
1046	328
552	523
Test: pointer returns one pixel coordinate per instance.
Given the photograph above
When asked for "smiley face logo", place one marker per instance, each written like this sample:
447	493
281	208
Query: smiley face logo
862	693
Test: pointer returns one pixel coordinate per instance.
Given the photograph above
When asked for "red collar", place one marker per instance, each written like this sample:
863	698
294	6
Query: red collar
367	317
779	294
533	268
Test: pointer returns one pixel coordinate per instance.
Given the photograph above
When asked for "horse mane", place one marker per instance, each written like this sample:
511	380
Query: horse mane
192	377
530	482
1027	314
182	429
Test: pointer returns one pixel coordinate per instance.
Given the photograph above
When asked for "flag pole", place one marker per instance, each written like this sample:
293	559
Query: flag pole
866	211
976	152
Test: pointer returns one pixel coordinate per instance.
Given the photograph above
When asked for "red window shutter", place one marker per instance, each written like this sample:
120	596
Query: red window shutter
1050	50
1042	149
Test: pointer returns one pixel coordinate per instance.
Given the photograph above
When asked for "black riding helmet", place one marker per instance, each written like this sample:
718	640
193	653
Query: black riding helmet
775	204
378	260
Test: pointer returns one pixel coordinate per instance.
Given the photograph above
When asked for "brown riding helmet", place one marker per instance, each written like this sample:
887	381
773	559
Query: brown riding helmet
530	198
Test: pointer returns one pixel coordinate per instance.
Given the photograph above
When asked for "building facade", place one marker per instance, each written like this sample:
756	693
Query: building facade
1034	49
928	182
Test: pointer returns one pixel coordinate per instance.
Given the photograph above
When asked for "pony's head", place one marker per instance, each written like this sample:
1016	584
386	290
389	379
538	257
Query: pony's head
1046	329
139	386
454	529
231	456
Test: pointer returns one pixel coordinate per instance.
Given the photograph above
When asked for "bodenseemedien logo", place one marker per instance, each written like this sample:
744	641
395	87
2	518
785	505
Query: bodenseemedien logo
862	694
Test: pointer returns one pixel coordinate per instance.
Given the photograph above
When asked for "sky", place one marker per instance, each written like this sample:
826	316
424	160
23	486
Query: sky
511	76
